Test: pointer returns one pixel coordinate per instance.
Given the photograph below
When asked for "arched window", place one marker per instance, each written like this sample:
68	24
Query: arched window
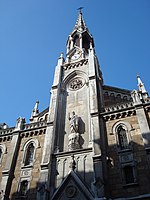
86	42
29	149
76	41
122	137
121	130
29	154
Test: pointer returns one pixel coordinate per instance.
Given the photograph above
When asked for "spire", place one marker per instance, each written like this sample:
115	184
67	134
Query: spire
80	24
35	111
142	89
79	39
141	85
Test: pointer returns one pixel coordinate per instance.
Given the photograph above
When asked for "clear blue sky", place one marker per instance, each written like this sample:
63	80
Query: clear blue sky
33	33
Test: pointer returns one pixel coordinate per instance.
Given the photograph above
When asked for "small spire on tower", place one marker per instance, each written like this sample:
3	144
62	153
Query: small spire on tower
141	85
80	24
35	111
141	88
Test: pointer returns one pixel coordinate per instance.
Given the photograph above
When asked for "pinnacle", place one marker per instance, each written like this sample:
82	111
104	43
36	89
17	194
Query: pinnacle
80	24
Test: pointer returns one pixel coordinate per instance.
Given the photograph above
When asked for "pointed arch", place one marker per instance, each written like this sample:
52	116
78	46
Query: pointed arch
121	130
72	75
29	149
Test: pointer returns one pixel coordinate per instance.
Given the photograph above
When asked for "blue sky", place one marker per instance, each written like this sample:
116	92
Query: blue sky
33	33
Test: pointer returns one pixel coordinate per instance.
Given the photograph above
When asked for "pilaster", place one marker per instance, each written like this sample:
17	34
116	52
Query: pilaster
8	172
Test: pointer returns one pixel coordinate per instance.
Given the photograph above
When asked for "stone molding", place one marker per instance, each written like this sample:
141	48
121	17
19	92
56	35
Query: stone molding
33	133
75	64
118	111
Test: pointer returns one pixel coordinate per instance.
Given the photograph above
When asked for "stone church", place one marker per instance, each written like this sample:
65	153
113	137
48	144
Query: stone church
92	142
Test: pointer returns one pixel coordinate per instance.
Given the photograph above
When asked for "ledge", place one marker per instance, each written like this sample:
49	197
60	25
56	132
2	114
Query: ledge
78	151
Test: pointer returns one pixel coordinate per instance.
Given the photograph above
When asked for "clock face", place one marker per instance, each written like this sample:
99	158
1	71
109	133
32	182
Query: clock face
75	56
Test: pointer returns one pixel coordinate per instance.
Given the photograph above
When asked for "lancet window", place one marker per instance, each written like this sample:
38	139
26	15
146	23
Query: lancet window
29	155
122	137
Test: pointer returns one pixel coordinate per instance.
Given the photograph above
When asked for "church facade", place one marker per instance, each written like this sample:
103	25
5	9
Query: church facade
92	142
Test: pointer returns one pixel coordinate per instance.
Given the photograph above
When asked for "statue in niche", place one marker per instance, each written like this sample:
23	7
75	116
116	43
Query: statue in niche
74	122
74	135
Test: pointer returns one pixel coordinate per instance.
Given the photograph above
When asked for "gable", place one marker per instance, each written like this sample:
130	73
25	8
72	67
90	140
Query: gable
72	188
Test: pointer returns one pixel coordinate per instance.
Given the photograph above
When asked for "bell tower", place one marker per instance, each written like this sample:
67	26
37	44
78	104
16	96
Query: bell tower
75	141
79	41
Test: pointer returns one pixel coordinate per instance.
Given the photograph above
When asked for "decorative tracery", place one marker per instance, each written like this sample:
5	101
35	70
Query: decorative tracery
76	84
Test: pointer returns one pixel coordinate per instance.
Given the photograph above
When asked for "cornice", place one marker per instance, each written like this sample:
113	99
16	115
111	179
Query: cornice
72	65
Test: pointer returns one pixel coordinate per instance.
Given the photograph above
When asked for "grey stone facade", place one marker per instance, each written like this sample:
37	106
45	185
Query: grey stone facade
92	142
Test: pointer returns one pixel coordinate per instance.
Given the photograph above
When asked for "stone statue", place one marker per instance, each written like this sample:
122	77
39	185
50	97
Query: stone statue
74	120
74	135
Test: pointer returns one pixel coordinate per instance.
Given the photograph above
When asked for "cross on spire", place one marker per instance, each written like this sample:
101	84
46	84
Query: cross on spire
80	9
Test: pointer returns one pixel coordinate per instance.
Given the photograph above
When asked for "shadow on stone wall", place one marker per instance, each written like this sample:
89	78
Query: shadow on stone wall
114	183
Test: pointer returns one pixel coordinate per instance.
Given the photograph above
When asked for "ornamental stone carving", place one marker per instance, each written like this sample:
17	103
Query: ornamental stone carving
71	191
76	84
73	141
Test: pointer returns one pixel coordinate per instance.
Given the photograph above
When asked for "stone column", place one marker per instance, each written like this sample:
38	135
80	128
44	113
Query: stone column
98	183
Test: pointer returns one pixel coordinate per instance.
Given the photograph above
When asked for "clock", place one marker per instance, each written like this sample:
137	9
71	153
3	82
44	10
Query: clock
75	56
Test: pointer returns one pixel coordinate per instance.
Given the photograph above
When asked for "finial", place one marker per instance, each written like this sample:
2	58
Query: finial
141	87
35	111
61	55
80	9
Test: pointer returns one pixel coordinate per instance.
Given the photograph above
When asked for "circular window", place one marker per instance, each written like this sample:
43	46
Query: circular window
76	83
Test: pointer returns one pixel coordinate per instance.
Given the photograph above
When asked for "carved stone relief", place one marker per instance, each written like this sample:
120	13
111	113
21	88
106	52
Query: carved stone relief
71	191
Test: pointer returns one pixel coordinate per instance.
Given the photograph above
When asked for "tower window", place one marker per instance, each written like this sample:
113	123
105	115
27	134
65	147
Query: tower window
128	174
23	188
76	41
122	138
29	155
86	43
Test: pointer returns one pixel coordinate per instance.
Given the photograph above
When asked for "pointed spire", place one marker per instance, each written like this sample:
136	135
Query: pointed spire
80	24
142	89
60	59
35	111
141	85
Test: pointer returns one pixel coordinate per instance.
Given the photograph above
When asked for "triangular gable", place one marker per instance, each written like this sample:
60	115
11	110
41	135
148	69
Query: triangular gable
72	188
